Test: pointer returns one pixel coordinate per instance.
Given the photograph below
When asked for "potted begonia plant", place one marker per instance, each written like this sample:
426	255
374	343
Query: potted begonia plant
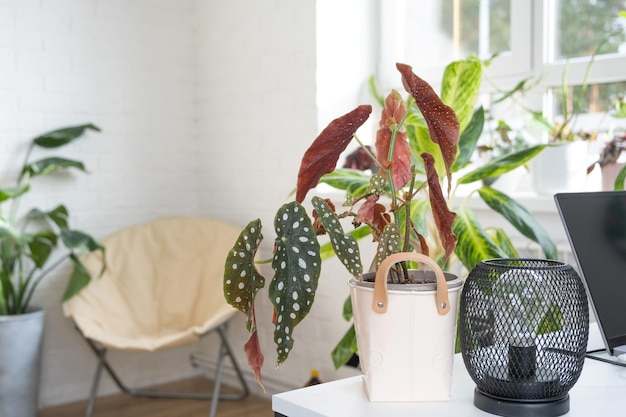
423	153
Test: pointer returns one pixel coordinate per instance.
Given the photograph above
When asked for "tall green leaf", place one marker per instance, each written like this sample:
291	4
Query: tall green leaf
502	165
79	279
459	88
620	179
49	165
80	242
344	350
59	216
41	247
13	192
520	218
469	139
354	182
501	239
474	244
61	137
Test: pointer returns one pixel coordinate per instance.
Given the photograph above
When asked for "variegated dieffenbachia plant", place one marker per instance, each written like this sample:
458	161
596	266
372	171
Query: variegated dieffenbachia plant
423	143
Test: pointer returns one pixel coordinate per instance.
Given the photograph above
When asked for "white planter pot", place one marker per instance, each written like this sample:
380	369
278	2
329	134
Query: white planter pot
560	168
20	356
406	346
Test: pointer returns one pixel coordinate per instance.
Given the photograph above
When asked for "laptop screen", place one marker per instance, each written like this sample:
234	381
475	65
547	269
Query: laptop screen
595	223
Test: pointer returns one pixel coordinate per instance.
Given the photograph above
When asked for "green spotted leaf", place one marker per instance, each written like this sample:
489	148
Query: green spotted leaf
242	281
297	265
390	241
344	245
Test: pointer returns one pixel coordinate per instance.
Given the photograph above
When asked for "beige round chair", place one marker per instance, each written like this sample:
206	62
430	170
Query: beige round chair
162	287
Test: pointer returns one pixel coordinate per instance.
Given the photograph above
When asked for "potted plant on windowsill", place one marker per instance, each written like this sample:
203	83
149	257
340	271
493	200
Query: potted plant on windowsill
27	255
423	153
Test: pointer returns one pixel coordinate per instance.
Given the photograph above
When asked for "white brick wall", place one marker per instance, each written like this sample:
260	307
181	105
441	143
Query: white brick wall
206	107
129	67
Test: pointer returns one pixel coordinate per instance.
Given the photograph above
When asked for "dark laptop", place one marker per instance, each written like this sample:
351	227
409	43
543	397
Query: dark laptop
595	223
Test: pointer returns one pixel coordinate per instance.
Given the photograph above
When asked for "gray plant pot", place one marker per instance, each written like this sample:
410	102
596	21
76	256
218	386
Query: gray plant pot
20	357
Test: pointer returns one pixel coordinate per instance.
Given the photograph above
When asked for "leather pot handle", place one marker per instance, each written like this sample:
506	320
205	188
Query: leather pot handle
380	283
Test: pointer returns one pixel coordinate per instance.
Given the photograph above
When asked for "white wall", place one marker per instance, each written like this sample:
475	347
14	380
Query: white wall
258	102
206	107
129	67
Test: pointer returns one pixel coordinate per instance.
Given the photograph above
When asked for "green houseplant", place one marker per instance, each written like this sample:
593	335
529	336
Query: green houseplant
27	248
27	243
424	146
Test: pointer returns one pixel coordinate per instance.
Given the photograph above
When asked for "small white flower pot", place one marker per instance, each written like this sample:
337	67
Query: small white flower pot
406	346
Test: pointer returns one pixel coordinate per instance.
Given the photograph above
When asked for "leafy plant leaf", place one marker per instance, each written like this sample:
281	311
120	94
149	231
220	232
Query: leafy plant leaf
59	216
459	88
326	250
352	181
344	350
323	154
297	267
501	239
255	357
502	165
469	139
419	142
474	244
13	192
79	278
49	165
520	218
344	245
443	125
41	246
390	243
80	242
346	311
552	321
392	149
443	217
619	179
60	137
242	281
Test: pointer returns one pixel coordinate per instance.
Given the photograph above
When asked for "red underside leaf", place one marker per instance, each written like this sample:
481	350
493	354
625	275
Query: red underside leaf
443	217
252	348
323	154
443	125
373	214
423	245
400	160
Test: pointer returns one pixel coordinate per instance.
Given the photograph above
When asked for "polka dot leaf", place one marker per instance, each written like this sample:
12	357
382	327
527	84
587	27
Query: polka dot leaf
344	245
242	281
297	265
390	243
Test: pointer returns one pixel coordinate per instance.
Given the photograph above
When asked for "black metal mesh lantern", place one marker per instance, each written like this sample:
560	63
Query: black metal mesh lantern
524	325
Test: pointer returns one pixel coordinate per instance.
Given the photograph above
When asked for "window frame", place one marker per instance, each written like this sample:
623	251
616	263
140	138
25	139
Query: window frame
529	56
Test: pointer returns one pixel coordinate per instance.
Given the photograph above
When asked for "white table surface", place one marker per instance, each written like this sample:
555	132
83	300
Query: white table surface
600	391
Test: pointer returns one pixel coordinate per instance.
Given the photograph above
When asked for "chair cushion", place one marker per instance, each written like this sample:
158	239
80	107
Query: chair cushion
162	286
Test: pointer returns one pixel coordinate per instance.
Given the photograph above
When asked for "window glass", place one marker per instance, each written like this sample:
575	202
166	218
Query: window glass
457	29
592	111
580	26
